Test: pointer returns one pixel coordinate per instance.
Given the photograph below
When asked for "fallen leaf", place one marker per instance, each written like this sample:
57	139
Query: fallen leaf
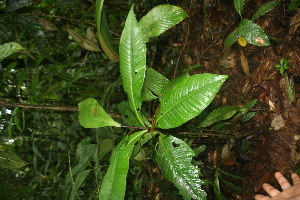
295	22
244	63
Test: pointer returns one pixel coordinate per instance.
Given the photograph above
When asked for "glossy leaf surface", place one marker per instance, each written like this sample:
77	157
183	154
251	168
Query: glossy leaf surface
114	183
8	49
92	115
187	99
253	33
174	160
155	81
264	9
219	114
160	19
239	4
128	117
133	63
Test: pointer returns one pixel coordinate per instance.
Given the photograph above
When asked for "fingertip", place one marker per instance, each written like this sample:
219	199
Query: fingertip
256	197
266	185
295	176
278	174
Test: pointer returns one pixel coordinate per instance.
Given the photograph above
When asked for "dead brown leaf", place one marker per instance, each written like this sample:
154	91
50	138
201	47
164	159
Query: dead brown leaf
295	22
244	63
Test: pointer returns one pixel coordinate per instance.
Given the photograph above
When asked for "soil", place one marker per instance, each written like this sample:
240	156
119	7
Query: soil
274	131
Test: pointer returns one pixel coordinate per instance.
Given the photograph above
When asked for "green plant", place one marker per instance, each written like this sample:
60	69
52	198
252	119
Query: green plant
218	177
181	99
293	4
247	30
282	66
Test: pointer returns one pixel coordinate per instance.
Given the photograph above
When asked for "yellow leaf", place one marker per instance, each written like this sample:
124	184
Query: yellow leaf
242	41
244	63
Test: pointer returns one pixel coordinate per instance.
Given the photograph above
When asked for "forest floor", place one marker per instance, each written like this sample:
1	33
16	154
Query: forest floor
275	138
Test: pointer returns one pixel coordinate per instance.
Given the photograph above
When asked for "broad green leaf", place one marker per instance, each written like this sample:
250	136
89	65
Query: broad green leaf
248	106
247	116
147	94
13	5
33	27
187	99
231	38
293	5
114	183
145	138
264	9
10	161
253	33
92	115
174	158
239	4
155	81
9	48
172	84
128	117
103	33
160	19
133	63
219	114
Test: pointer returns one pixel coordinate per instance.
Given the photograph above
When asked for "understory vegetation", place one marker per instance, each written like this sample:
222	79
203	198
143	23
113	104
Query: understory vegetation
86	113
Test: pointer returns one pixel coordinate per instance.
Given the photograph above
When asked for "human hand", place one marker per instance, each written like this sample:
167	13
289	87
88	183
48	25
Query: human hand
289	191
